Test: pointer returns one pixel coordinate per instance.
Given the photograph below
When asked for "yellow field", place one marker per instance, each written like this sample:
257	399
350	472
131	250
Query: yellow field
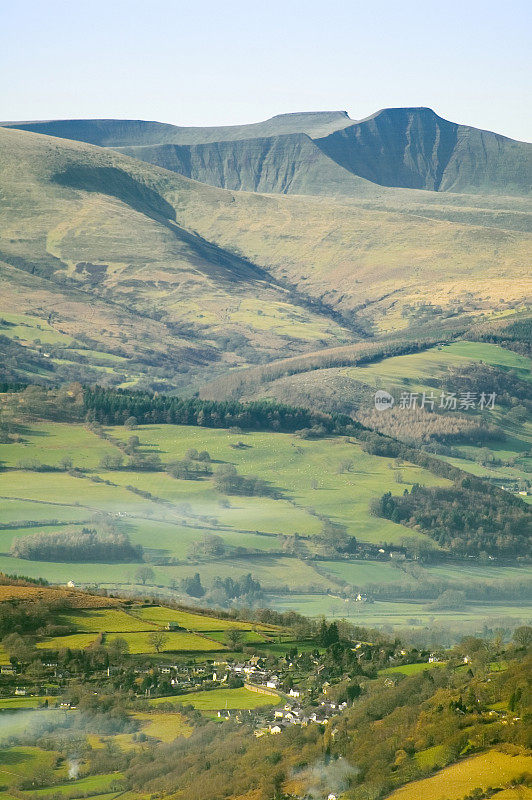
164	726
194	622
518	793
36	593
175	642
103	621
489	769
74	641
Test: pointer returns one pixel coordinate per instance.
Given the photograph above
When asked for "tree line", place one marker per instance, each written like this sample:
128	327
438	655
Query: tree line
76	546
119	406
465	519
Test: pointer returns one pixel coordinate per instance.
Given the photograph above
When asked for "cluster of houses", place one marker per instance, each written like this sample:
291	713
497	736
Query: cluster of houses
295	714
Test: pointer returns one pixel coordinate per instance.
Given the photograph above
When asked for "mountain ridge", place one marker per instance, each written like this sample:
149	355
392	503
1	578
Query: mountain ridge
320	152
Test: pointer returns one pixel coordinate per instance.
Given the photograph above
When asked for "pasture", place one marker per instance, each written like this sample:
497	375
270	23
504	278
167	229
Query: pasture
410	669
83	787
219	699
165	726
74	641
490	769
18	703
161	615
175	642
103	621
314	480
19	761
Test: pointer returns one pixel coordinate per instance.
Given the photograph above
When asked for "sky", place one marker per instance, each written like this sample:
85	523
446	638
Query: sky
231	62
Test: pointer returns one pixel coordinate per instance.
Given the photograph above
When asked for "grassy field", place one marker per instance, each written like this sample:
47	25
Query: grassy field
163	725
75	641
413	373
161	615
104	621
404	613
84	787
308	475
414	369
409	669
50	442
176	642
219	699
332	477
17	703
489	769
19	762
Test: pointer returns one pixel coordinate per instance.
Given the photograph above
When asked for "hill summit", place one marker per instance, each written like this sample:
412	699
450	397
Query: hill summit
322	152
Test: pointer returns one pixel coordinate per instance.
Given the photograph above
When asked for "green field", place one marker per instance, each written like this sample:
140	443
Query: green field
410	669
415	368
84	787
75	641
163	725
160	615
310	477
16	703
49	442
307	475
175	642
103	621
219	699
19	762
404	613
413	373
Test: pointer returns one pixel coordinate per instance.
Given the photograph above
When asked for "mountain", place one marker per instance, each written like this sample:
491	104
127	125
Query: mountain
137	275
320	153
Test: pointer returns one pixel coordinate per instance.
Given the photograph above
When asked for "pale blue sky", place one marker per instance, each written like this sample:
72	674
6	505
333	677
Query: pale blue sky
214	63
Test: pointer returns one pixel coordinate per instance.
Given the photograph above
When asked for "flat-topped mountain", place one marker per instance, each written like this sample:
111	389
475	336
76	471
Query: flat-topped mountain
320	152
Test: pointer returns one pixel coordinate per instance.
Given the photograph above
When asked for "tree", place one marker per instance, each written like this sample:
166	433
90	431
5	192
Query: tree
234	637
450	598
145	575
118	648
192	586
523	636
111	461
17	648
157	639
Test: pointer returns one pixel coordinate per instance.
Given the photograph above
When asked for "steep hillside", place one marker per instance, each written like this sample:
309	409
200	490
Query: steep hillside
319	153
415	148
185	281
81	225
288	164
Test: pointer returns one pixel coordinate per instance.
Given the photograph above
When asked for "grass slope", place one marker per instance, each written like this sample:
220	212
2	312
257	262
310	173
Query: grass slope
181	275
491	769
